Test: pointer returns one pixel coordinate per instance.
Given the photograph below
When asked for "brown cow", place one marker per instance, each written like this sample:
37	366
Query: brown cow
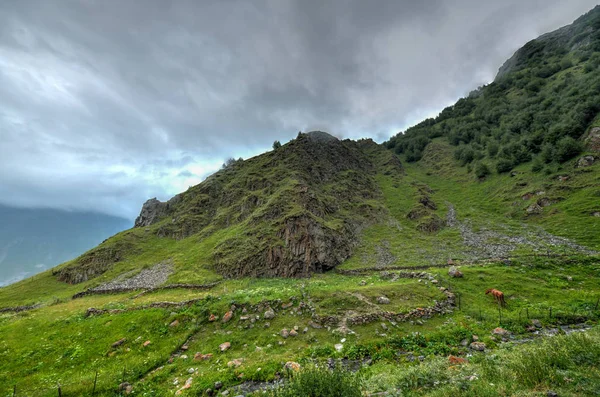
498	296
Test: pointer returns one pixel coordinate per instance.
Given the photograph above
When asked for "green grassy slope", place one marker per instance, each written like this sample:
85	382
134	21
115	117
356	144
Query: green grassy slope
331	229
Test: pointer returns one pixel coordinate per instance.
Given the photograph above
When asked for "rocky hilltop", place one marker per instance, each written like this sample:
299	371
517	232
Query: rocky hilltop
290	212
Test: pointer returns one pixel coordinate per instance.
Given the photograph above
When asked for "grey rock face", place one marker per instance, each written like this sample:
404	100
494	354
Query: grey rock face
152	210
585	161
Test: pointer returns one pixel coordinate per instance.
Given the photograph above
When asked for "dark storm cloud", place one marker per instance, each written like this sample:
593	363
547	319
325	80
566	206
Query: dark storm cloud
105	103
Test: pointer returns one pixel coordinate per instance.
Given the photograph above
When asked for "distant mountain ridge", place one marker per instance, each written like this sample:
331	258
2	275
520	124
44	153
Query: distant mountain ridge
32	240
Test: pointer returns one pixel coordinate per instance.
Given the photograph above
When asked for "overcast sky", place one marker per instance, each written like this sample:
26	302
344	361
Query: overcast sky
105	103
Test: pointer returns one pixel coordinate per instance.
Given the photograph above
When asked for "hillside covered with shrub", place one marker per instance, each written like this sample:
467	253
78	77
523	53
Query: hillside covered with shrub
538	109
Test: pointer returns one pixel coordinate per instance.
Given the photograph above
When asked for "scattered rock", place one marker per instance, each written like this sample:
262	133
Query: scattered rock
478	346
563	178
175	323
569	278
434	281
235	363
191	370
534	209
124	385
362	283
218	385
224	346
500	331
383	300
536	323
119	342
314	325
269	314
146	344
287	305
227	316
454	272
293	333
596	214
202	357
457	360
285	333
212	318
475	338
292	366
338	347
188	384
551	393
305	330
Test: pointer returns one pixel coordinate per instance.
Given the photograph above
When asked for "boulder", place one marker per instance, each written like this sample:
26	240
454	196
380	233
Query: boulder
457	360
147	343
500	332
292	366
175	323
314	325
202	357
534	209
478	346
383	300
585	161
212	318
235	362
119	342
269	314
227	316
454	272
285	333
224	346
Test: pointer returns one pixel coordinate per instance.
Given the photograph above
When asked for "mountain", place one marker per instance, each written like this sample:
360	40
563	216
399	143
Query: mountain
308	205
544	99
32	240
414	262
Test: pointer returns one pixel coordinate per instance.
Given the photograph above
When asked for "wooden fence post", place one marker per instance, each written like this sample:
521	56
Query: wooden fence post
95	380
499	315
59	391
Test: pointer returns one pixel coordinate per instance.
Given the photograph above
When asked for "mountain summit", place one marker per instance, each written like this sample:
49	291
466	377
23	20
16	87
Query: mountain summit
290	212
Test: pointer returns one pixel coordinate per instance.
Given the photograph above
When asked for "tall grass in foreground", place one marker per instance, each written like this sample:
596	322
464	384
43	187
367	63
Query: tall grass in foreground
315	382
567	364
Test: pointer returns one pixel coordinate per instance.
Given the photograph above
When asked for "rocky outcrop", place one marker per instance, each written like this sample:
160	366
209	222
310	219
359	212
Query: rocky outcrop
154	210
585	161
306	246
592	139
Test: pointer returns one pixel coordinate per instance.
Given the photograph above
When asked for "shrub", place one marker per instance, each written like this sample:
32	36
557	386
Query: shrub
504	165
567	148
315	382
537	165
481	170
276	145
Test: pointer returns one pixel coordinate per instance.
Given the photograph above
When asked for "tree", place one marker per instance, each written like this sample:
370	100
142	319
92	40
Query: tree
481	170
276	145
